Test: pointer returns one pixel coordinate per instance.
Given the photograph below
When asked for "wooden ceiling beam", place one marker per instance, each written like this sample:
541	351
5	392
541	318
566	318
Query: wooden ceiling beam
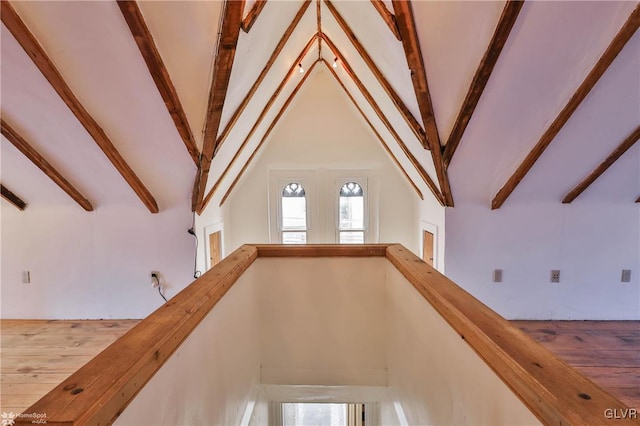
267	133
367	95
143	38
39	57
411	45
387	17
483	73
37	159
12	198
620	40
638	199
292	71
319	26
283	41
375	132
413	124
602	167
225	53
251	17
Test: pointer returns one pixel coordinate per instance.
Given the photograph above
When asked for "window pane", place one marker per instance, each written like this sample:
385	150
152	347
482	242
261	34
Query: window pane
352	212
294	213
294	207
312	414
351	237
294	238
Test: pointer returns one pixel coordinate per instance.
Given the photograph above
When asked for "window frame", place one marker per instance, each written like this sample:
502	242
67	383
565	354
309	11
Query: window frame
281	228
339	183
278	179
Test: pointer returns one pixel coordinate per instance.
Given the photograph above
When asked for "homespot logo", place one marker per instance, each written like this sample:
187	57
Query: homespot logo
621	413
9	419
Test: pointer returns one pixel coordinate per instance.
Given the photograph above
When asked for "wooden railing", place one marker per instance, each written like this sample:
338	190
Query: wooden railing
98	392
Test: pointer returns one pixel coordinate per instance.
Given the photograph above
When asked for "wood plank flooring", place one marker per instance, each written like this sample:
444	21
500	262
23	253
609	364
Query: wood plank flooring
36	355
607	352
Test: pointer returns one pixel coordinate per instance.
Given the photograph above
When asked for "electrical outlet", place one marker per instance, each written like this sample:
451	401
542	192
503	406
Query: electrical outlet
155	279
497	275
555	275
26	277
626	276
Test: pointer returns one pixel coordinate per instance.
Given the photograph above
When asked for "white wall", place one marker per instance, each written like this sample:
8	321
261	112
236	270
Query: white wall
435	376
213	376
322	132
589	243
92	265
322	321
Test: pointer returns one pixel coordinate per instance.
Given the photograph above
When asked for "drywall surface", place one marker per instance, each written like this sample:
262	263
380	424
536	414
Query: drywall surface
434	375
322	321
213	376
92	265
323	137
590	243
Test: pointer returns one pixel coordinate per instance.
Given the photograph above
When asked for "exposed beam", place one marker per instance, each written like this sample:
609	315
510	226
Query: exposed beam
12	198
146	45
37	159
602	167
226	51
612	51
39	57
283	41
395	98
638	199
375	132
483	73
367	95
251	17
267	133
319	26
411	45
292	71
387	17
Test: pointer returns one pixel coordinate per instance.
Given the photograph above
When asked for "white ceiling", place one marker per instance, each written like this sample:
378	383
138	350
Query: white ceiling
552	47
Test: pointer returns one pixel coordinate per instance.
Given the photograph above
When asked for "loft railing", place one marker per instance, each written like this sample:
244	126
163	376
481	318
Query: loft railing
99	391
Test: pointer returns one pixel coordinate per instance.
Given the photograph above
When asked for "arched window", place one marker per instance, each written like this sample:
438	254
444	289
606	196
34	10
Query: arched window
351	220
294	214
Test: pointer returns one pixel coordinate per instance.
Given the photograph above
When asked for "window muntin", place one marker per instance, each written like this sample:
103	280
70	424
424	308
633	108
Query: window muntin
294	214
351	214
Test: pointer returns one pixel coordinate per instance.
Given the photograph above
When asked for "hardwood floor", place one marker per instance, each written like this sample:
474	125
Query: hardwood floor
607	352
36	355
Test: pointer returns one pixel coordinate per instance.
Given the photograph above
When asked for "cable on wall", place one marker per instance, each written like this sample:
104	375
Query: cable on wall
155	277
196	273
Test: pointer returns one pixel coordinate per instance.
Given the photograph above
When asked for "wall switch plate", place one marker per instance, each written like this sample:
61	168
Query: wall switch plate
497	275
555	275
26	277
626	276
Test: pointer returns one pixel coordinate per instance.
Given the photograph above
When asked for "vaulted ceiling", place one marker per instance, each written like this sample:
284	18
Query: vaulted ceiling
167	103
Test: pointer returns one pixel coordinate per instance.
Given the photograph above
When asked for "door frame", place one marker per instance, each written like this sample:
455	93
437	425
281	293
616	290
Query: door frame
433	229
208	230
